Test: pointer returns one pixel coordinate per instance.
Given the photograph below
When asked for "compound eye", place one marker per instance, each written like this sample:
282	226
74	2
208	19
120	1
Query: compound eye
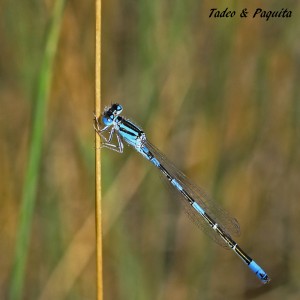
119	108
107	120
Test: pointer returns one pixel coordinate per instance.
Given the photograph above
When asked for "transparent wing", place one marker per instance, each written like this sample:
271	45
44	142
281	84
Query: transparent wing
228	223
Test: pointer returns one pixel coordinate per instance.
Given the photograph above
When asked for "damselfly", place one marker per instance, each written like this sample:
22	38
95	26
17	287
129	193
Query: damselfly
203	211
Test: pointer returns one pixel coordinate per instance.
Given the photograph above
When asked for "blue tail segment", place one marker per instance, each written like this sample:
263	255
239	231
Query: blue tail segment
198	208
259	272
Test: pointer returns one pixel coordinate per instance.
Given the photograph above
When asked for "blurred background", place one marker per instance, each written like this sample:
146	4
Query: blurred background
220	97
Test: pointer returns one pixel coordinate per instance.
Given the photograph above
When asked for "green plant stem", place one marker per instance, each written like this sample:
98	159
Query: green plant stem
31	175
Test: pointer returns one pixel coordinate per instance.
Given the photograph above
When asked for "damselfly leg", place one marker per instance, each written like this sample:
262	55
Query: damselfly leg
118	147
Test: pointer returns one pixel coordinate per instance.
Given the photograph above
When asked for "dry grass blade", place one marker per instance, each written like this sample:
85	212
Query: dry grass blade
98	153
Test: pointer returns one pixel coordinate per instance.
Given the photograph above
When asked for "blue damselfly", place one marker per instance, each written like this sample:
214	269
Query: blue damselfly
203	211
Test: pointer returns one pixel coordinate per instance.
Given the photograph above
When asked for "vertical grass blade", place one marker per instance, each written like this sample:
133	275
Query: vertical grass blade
98	153
32	171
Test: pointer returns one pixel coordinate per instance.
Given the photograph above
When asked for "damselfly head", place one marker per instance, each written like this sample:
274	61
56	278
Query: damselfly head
111	113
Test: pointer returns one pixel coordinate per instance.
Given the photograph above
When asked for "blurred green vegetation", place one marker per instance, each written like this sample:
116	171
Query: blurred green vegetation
219	97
